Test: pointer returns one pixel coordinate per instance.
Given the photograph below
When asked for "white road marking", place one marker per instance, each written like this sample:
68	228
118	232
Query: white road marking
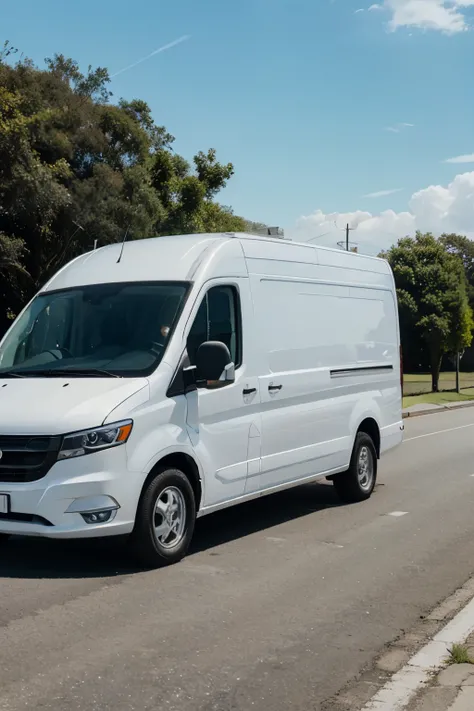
432	434
397	693
398	513
275	540
331	544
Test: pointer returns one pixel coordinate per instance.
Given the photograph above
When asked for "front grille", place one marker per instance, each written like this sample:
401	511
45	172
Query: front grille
25	518
27	458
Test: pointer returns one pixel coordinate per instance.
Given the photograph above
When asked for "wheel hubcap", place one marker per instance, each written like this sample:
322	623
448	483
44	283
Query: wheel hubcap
365	468
170	517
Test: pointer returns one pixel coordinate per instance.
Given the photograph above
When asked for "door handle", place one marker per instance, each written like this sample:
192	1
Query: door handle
273	388
249	391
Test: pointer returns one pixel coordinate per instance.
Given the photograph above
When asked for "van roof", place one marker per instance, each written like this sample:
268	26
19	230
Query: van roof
175	257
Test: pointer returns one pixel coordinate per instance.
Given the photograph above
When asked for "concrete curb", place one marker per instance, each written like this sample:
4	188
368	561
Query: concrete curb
415	676
438	408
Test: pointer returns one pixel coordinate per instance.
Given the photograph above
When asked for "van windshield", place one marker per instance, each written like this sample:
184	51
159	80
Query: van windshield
106	330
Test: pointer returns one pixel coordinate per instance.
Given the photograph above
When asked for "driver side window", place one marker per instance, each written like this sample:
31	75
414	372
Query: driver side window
50	331
218	319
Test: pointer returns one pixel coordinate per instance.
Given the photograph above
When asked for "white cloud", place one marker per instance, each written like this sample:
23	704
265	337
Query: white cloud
383	193
468	158
398	127
443	15
436	209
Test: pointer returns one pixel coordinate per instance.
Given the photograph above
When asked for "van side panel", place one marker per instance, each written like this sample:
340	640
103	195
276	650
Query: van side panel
332	359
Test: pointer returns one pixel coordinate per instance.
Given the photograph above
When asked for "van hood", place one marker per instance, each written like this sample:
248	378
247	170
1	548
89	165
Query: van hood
55	406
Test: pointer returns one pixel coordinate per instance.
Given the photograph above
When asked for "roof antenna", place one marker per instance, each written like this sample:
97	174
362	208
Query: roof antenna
123	245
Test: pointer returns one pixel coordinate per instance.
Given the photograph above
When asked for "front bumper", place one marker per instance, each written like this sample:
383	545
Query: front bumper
40	508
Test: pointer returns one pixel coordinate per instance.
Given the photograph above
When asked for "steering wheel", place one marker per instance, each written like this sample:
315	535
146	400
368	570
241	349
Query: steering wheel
62	351
65	351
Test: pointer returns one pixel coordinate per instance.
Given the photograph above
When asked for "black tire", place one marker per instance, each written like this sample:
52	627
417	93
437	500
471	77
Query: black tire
4	537
145	541
351	486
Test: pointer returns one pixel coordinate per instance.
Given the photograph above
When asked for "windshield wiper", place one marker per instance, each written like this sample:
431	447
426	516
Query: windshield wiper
88	372
11	374
63	372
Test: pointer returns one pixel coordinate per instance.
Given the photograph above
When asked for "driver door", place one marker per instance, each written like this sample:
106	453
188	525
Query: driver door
219	421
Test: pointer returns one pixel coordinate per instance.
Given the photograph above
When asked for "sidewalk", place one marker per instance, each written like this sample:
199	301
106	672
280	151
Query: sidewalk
452	689
428	677
428	409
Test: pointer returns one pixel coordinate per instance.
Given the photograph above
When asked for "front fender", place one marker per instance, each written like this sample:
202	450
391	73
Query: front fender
149	448
189	451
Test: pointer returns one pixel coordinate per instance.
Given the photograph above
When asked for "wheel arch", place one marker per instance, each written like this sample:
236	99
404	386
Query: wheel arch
185	463
371	428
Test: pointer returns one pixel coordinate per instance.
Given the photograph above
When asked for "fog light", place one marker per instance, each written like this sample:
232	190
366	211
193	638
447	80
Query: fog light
92	517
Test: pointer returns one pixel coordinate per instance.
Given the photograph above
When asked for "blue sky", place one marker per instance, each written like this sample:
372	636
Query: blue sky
298	94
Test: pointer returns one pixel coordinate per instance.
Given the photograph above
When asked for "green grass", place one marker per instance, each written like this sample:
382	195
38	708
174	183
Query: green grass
438	398
420	383
417	389
459	654
426	377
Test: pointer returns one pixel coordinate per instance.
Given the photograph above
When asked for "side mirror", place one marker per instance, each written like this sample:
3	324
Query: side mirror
214	364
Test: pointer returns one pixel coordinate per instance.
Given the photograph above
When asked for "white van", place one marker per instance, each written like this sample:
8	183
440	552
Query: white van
191	373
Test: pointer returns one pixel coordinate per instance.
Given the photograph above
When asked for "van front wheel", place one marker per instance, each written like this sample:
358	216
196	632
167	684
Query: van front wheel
4	537
358	483
165	519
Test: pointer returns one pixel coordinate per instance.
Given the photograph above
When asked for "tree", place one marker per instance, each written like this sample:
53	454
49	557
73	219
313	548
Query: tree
187	195
75	168
256	227
433	299
11	274
463	247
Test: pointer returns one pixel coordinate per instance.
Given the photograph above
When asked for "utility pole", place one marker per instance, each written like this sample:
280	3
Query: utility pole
346	243
348	230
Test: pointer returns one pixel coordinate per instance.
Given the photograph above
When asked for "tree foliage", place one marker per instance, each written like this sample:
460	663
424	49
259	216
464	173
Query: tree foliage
432	290
463	247
75	168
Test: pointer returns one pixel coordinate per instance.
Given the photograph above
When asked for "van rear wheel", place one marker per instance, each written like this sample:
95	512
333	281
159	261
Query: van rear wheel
4	537
165	519
358	483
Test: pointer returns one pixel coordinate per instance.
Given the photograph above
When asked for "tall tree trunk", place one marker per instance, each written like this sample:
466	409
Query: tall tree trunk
458	386
435	368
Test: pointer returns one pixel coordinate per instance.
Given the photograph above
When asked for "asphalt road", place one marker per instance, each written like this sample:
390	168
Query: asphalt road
280	603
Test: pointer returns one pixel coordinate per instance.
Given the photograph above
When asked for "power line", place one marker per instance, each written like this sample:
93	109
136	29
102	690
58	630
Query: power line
343	244
318	237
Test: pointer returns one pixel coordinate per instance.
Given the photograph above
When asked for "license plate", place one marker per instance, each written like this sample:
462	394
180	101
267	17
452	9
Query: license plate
4	503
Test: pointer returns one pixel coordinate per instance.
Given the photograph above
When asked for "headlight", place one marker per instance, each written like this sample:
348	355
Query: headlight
88	441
